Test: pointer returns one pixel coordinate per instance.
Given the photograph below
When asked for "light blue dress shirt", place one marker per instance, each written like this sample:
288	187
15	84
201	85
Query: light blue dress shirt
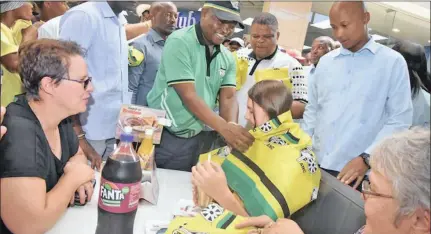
96	28
356	100
141	77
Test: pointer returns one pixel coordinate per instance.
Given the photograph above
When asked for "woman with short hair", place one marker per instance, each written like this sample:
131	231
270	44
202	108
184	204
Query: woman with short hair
41	164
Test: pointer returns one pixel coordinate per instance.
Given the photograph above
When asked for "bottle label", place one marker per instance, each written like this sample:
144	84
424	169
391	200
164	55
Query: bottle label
118	198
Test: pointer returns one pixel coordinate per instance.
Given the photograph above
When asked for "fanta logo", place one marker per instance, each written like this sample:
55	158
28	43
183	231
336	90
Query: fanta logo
111	195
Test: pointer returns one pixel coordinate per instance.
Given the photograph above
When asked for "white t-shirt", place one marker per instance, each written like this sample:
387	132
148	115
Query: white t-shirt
50	29
276	60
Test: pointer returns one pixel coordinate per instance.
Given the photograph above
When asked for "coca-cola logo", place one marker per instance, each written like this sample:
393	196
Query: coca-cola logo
111	195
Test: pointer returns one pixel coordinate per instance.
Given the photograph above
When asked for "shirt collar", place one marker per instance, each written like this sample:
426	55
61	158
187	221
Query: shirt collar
200	35
253	55
155	35
371	46
106	10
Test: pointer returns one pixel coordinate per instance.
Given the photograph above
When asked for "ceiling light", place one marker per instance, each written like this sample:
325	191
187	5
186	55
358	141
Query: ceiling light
322	24
378	37
248	21
396	30
238	30
306	47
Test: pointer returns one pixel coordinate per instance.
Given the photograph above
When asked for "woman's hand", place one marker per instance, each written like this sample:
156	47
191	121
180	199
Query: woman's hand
265	225
79	173
260	222
210	177
195	195
85	192
2	128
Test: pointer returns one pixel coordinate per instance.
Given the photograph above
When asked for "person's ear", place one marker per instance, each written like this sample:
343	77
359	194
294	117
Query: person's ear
277	35
422	222
47	85
366	17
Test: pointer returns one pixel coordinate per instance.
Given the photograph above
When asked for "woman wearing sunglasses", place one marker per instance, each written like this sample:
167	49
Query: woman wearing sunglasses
277	176
41	164
397	196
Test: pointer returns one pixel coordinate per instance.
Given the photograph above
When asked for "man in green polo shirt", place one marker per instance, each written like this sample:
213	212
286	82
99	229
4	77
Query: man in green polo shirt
194	71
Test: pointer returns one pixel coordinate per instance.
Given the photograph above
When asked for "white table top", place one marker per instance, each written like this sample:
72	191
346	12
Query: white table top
174	185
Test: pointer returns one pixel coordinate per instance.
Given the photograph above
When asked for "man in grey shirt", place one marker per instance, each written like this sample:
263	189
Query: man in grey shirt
146	52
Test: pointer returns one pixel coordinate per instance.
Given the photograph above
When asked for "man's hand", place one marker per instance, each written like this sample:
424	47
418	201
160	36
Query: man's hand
354	170
30	33
85	192
2	128
211	178
91	154
237	137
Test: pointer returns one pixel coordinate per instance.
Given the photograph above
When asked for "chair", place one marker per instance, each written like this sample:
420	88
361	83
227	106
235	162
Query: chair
338	209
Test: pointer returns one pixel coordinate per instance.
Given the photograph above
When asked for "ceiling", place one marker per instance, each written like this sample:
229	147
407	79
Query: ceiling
413	25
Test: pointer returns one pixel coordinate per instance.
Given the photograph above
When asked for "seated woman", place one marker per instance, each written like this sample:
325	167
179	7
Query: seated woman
41	164
397	197
278	175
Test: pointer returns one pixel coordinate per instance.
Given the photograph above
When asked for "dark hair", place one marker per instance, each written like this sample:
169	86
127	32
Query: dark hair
45	58
39	4
414	54
146	11
273	96
266	18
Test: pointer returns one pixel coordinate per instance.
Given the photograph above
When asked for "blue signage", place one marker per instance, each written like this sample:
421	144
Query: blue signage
187	18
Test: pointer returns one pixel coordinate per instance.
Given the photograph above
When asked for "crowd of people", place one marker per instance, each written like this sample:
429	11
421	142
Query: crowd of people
67	72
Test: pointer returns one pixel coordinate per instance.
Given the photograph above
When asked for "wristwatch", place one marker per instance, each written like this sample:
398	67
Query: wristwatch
366	158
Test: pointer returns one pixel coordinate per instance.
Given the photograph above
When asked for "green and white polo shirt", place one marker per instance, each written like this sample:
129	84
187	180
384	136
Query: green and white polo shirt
186	59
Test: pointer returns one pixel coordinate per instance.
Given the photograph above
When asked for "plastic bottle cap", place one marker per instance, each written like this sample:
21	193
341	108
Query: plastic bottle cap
149	131
128	129
127	136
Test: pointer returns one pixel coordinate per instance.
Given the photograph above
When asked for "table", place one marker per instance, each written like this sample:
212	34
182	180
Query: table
174	185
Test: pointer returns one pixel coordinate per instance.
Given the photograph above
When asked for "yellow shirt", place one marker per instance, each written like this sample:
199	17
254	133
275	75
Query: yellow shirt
11	84
18	27
276	176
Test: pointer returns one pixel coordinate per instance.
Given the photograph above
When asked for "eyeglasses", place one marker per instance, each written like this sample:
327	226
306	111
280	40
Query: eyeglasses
366	191
85	82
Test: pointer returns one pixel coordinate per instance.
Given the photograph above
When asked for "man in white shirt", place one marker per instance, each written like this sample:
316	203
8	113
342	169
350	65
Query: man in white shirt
266	60
50	29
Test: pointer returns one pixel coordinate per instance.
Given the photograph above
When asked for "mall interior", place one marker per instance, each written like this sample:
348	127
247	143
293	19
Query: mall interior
302	22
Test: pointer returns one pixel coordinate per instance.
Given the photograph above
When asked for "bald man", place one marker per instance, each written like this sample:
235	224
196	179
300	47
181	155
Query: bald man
361	95
143	70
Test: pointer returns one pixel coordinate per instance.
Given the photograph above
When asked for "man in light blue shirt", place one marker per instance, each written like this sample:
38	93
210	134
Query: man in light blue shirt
361	95
98	28
320	46
142	73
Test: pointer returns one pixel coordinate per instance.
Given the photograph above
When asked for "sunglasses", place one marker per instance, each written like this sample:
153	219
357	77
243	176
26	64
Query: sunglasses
85	82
